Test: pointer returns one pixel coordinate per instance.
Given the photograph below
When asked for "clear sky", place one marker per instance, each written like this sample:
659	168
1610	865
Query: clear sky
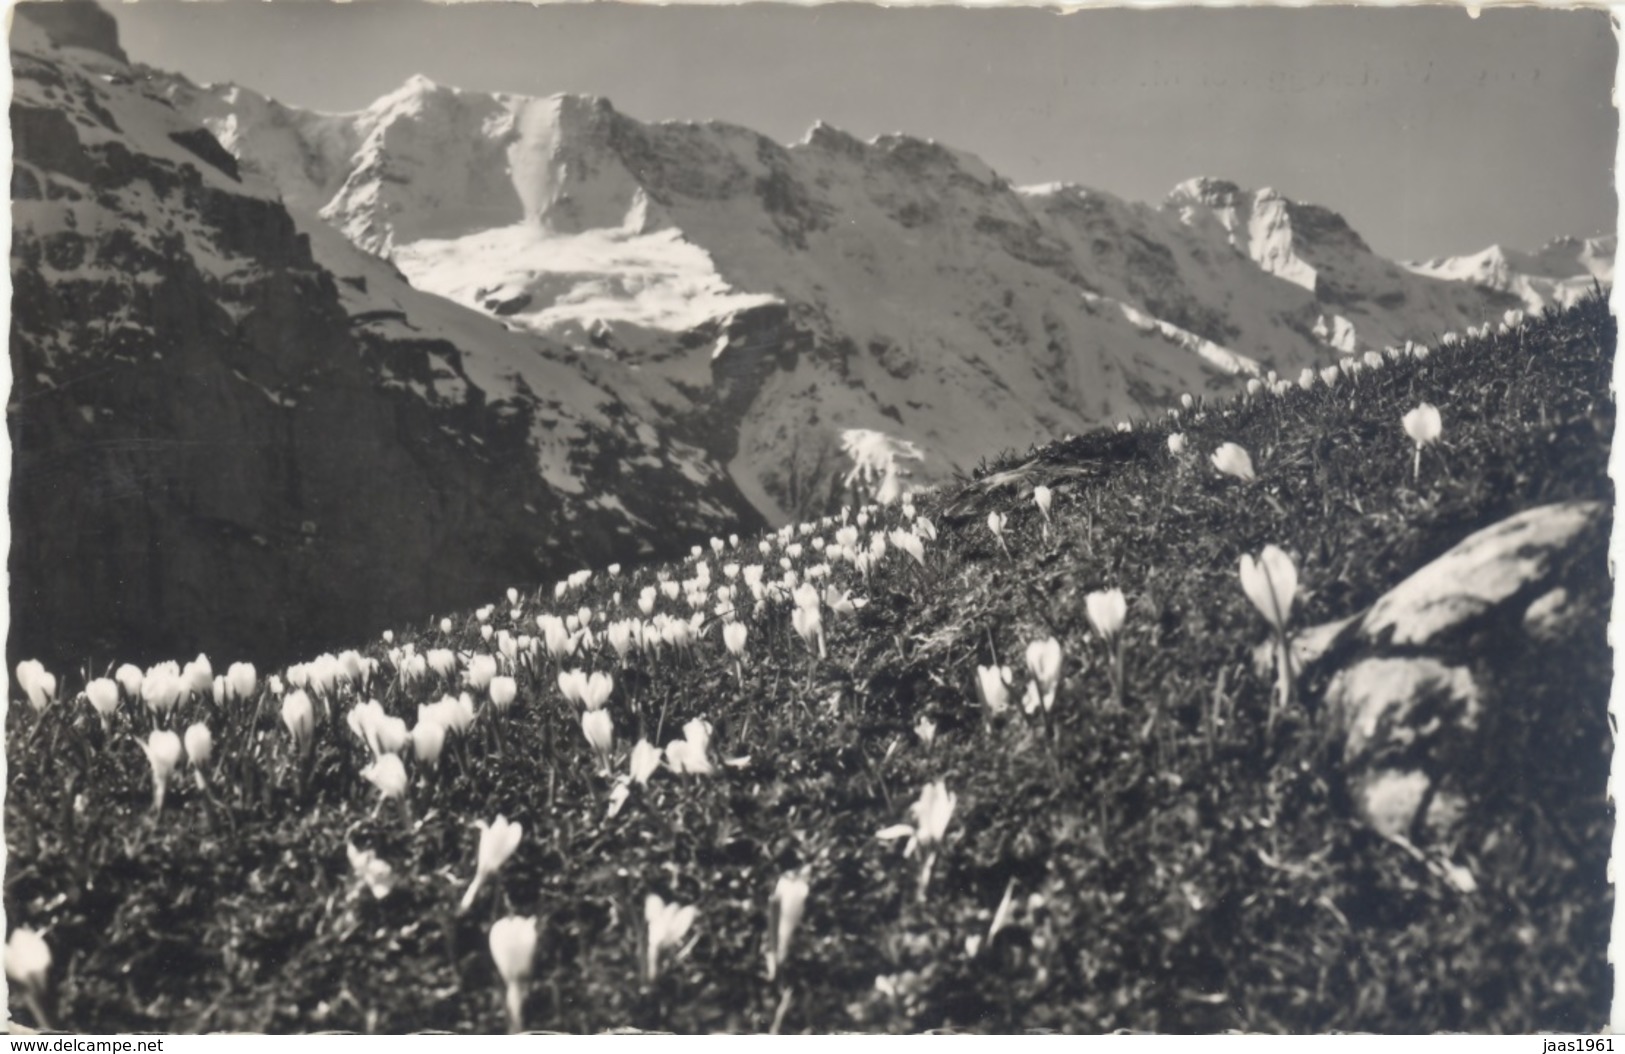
1434	133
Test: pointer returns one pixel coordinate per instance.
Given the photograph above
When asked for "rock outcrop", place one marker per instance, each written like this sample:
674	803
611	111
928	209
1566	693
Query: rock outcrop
1423	705
222	441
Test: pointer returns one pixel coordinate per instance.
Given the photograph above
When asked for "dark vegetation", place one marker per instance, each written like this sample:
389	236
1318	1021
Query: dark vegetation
1174	866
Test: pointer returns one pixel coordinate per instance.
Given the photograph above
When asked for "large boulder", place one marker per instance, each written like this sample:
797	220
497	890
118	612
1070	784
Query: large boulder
1427	695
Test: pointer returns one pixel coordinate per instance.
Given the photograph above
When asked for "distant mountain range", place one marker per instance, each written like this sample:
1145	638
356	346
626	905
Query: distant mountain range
281	375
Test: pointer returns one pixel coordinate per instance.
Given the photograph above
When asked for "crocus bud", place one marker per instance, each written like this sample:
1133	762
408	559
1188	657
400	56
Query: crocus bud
164	753
1271	583
503	691
645	759
993	682
668	925
129	679
199	745
599	729
1176	443
788	903
428	740
995	523
198	675
299	716
103	695
28	959
445	625
733	637
1106	612
1232	460
926	729
513	949
1042	497
38	686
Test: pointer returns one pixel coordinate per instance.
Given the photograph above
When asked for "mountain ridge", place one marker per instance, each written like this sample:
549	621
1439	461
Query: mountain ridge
926	296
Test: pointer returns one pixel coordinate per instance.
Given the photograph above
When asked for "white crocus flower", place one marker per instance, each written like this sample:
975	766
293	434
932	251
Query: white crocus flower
596	690
129	678
931	813
787	906
38	686
645	759
1424	426
599	728
428	740
668	925
498	840
375	874
993	683
199	745
1107	610
241	680
1233	460
299	717
164	753
690	755
1044	659
1271	583
995	524
103	696
513	949
28	959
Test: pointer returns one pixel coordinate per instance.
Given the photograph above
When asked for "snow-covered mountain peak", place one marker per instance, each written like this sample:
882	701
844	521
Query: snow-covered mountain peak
896	285
1559	273
1206	190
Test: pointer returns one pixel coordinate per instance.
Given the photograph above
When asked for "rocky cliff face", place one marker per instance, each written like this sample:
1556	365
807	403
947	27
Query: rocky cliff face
225	440
895	286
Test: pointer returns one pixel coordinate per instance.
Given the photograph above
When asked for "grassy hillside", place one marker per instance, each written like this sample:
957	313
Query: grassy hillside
1175	863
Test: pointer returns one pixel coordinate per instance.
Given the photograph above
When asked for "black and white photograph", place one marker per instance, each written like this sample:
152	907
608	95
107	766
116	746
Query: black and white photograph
771	519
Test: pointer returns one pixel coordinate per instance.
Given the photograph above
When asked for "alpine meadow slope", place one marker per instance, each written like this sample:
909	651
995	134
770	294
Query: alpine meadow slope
1009	756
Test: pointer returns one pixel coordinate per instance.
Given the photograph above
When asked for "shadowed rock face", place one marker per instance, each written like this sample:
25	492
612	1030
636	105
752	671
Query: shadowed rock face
76	24
209	452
